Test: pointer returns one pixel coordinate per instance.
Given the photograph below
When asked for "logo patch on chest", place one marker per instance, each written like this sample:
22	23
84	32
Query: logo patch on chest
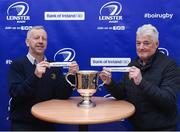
53	76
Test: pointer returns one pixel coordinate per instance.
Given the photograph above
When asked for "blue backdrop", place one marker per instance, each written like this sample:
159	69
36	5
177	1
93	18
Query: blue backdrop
95	33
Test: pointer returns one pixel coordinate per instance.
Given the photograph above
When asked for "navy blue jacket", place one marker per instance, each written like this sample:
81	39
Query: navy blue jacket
155	99
26	89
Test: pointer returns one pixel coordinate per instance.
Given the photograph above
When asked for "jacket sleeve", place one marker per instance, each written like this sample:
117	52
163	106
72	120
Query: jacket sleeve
165	95
19	87
117	90
63	89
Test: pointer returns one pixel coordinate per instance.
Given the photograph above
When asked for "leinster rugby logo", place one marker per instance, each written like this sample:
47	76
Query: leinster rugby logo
164	51
18	8
110	12
17	11
65	54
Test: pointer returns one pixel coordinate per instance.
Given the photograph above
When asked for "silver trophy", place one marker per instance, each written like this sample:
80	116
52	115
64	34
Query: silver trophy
86	82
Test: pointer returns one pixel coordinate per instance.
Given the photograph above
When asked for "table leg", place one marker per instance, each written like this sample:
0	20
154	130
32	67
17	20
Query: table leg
83	127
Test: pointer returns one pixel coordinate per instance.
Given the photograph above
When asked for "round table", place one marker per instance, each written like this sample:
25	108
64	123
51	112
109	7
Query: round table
67	111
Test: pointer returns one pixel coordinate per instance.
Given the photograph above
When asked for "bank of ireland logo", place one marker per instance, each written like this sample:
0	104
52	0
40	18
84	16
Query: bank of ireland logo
18	12
110	12
164	51
65	55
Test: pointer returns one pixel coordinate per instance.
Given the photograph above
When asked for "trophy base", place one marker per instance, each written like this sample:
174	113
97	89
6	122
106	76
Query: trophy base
86	104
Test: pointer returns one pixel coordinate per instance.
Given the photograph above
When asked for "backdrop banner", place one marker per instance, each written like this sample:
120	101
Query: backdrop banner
96	34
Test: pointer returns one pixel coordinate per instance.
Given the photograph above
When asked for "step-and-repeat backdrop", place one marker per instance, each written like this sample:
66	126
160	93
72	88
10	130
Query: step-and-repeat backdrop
95	33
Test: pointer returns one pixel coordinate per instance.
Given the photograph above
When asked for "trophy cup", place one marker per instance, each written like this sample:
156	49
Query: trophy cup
86	82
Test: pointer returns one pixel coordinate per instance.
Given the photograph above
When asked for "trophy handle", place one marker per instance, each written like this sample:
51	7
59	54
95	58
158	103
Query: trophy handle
66	77
102	84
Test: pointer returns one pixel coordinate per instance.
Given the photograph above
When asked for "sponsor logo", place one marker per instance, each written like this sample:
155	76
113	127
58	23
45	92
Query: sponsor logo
64	15
110	12
164	51
110	61
111	28
17	12
158	16
18	28
65	54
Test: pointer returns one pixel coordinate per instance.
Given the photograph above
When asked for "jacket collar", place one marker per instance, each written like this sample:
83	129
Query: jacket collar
138	62
33	60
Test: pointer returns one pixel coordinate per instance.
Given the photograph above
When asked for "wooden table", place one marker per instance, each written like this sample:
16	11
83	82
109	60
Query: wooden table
67	112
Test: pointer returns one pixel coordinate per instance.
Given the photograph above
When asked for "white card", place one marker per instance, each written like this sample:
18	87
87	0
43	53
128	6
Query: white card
59	64
117	69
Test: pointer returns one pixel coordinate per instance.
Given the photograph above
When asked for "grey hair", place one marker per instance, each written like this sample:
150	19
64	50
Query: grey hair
34	27
150	30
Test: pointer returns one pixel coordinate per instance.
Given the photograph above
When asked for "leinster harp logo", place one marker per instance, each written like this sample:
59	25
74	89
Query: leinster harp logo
53	76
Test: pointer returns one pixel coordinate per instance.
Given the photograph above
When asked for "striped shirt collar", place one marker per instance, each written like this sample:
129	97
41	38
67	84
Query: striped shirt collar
33	60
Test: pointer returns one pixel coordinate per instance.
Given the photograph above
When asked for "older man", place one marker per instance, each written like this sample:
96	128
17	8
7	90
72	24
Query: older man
32	80
152	84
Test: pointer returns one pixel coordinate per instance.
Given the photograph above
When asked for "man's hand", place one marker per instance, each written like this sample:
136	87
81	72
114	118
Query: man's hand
135	75
41	68
73	67
105	75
